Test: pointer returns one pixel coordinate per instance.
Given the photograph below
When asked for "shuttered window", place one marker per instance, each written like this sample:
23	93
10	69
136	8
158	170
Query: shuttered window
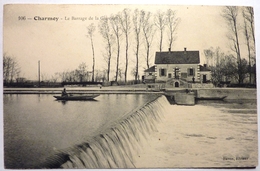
162	72
191	71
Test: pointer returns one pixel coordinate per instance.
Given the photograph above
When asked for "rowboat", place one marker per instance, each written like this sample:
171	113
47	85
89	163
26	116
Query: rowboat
210	98
77	97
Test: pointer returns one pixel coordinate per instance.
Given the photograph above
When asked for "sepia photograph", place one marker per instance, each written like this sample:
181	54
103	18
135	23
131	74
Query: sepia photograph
129	86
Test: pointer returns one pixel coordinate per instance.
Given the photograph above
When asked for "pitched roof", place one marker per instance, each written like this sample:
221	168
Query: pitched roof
204	68
177	57
151	69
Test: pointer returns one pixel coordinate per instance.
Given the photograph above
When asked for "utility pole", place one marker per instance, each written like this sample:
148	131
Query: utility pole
39	72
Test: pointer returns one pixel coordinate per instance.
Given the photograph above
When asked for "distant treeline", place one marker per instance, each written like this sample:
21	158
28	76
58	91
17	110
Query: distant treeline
32	84
35	84
49	84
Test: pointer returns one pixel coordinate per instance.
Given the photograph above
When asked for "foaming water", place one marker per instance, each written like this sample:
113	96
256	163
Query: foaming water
152	135
206	135
116	146
37	126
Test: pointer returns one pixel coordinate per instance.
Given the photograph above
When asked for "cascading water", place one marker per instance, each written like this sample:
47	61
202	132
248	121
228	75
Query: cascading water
115	147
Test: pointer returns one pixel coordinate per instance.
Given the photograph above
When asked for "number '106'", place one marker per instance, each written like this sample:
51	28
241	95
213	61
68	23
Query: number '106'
21	18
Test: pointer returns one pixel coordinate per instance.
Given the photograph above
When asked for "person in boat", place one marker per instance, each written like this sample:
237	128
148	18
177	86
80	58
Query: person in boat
64	93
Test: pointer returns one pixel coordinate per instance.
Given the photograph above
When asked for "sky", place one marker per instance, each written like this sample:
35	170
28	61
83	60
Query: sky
62	45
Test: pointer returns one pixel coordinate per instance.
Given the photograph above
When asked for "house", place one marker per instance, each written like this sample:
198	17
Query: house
149	75
178	67
205	73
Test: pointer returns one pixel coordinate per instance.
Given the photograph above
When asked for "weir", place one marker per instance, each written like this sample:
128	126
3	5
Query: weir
115	147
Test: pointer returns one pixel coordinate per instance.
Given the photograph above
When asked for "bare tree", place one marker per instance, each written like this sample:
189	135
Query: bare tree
100	75
148	31
225	67
249	16
79	74
126	26
82	72
54	78
11	69
120	74
248	44
218	55
209	54
105	31
44	77
6	67
160	21
91	29
137	22
116	27
171	22
230	14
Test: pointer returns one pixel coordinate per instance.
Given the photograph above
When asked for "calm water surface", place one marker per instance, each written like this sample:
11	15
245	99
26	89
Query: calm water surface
35	126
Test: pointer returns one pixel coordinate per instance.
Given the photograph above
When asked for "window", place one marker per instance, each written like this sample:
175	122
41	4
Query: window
163	72
191	72
150	73
177	73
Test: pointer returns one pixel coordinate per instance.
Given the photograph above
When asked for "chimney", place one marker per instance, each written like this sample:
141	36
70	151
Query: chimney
169	50
185	50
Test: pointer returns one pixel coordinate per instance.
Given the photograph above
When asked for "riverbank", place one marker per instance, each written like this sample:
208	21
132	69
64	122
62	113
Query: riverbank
78	90
198	136
231	93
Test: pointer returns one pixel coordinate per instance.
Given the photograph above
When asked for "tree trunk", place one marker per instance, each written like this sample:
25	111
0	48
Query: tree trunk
117	59
136	67
161	40
248	49
109	60
93	66
238	56
147	56
126	58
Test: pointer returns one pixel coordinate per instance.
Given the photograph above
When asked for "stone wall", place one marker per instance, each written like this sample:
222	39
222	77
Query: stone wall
201	85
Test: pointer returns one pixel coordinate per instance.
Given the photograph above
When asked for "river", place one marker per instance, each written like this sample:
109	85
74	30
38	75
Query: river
35	126
209	134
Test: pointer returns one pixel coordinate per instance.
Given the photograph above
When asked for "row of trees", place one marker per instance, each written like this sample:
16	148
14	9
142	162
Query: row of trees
140	27
139	24
224	67
82	74
228	67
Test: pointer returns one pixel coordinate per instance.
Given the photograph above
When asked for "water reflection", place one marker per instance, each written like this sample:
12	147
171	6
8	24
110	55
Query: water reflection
64	102
39	97
35	125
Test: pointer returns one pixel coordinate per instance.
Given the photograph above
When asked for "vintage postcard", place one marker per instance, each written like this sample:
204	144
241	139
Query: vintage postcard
129	86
